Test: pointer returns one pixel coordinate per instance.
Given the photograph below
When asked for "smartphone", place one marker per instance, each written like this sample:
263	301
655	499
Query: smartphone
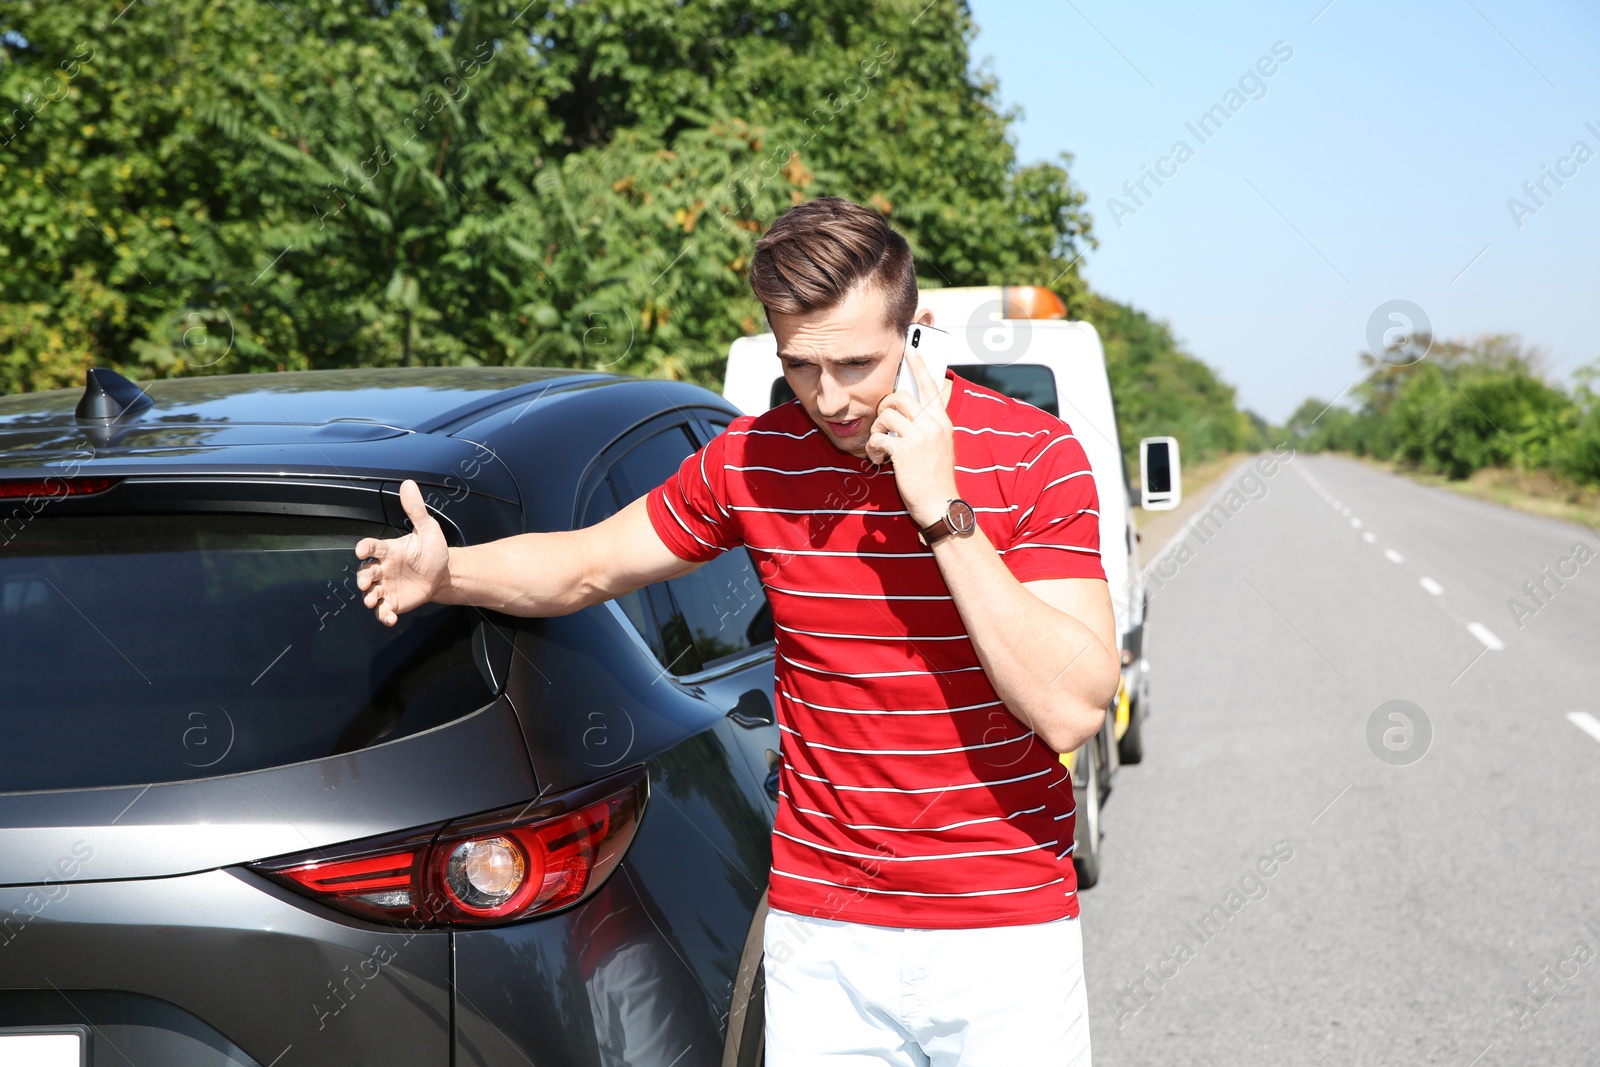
933	345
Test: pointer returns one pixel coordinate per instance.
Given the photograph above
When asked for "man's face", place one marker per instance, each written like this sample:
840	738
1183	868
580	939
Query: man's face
841	363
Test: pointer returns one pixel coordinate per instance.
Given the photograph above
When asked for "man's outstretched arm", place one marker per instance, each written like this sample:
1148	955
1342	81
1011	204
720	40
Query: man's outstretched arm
534	574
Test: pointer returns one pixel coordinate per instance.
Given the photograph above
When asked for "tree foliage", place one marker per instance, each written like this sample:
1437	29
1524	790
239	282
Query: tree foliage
1464	407
327	184
208	186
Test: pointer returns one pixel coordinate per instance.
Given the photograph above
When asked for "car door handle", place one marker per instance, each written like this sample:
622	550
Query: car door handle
753	709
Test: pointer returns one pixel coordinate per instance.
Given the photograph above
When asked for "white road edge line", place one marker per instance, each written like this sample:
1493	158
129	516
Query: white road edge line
1585	722
1370	538
1484	634
1431	586
1392	556
1356	523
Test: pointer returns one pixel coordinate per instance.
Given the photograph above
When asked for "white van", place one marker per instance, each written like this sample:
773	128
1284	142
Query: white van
1015	340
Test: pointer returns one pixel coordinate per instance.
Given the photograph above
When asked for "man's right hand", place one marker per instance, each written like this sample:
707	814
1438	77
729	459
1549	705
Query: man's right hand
403	573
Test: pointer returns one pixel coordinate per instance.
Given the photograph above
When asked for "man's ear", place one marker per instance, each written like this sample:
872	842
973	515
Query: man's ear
924	316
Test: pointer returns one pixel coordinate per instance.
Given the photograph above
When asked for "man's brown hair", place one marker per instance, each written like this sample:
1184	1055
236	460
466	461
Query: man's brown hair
820	250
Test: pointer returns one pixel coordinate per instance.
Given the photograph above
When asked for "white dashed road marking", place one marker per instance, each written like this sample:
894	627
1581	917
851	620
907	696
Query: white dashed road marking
1491	643
1585	722
1484	634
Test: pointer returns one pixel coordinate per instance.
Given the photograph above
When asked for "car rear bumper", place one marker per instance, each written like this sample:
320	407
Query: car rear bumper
220	969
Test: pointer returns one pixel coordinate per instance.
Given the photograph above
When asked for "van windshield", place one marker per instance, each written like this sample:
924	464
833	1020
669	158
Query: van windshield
156	648
1031	383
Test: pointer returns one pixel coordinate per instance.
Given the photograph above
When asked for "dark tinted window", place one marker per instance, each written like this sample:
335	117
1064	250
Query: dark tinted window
602	505
650	462
1158	468
715	612
153	648
1029	383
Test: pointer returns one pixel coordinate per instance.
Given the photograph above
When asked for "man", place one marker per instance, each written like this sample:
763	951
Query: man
944	631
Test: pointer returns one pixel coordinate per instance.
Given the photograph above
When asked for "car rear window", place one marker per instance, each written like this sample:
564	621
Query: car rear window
156	648
1031	383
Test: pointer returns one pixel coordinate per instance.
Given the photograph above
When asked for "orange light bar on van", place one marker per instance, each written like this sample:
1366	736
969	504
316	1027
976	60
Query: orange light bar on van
1033	302
14	488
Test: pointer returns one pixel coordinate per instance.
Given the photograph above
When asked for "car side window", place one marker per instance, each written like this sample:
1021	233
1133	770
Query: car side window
602	505
729	604
709	615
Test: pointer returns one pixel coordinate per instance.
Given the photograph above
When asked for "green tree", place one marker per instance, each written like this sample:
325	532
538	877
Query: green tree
202	187
1464	407
1577	454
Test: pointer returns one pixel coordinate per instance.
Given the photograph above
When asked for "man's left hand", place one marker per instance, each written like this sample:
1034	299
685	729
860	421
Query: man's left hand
920	440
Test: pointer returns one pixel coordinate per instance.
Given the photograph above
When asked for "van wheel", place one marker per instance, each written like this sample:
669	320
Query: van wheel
1086	831
1131	748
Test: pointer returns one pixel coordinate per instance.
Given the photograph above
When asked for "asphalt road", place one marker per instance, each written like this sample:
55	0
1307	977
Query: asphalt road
1435	893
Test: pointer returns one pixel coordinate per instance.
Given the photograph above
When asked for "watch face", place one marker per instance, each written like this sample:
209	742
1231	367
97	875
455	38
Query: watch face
961	518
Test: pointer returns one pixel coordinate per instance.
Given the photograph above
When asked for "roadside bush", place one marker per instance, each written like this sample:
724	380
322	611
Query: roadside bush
1465	407
1578	454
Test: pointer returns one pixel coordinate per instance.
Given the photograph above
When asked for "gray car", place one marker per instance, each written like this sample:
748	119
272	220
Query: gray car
243	823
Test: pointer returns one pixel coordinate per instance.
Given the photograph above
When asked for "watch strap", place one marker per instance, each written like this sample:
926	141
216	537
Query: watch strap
937	531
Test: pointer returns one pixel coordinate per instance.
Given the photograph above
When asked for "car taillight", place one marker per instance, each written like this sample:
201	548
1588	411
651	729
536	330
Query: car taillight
493	871
381	886
502	866
13	488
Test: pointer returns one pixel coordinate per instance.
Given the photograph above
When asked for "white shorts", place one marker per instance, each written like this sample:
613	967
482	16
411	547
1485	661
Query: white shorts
845	993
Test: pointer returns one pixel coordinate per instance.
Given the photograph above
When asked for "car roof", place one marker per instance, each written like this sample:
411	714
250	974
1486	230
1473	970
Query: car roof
401	398
358	424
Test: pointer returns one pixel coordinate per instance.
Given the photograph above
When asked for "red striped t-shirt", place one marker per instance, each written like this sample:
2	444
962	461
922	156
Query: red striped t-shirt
909	794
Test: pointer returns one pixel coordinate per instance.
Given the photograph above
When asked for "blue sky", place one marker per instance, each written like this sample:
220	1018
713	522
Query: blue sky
1373	164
